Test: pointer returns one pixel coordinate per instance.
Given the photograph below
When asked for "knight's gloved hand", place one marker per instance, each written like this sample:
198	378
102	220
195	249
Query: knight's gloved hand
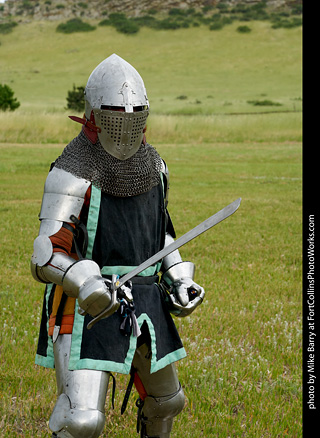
118	294
94	295
185	295
125	291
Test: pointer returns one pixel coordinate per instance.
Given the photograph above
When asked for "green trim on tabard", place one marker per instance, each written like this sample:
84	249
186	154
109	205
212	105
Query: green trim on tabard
76	338
168	359
43	361
122	270
93	218
75	363
48	360
157	365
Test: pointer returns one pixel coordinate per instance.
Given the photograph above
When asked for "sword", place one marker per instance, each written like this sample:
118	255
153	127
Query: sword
190	235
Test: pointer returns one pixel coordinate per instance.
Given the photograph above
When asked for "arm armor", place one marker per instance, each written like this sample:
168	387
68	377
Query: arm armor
64	197
165	172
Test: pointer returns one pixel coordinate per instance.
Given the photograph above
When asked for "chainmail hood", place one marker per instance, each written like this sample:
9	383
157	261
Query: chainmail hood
136	175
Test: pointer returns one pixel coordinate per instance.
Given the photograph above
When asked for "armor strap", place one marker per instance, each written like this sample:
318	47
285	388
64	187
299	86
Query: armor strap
84	121
80	227
113	389
128	390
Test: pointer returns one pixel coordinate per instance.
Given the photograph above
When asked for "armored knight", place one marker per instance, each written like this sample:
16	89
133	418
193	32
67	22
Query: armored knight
104	211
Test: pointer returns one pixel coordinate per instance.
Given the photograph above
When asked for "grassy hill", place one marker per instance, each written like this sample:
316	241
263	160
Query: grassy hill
191	71
217	71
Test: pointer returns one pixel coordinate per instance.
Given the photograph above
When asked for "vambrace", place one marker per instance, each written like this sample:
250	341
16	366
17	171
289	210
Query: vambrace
81	279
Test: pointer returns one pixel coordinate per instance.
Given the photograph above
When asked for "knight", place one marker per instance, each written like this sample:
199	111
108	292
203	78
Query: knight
104	211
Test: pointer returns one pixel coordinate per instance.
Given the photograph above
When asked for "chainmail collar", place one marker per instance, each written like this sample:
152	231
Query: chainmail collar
136	175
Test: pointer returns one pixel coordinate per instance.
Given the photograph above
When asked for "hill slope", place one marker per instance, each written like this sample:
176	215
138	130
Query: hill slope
193	70
62	9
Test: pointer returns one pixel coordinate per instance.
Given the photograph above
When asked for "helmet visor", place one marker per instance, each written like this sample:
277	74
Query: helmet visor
121	133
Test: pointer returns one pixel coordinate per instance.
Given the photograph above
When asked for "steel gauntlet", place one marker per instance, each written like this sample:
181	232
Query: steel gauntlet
80	279
83	280
183	294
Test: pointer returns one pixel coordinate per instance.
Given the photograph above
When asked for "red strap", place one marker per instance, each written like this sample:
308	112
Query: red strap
90	129
139	386
86	123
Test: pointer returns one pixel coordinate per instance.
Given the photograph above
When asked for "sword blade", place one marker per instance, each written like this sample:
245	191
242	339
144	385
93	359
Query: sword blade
190	235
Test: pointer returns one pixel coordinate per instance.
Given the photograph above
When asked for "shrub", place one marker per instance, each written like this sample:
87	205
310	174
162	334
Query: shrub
168	24
259	6
146	20
243	29
7	27
265	102
297	10
26	5
206	9
105	22
7	101
117	17
75	99
176	11
127	26
124	24
190	11
287	24
216	17
74	25
217	25
223	7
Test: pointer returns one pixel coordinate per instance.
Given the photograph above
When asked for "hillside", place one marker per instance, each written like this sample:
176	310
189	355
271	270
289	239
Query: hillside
193	67
186	71
94	9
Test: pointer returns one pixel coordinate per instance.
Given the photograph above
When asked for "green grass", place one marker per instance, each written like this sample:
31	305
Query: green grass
242	376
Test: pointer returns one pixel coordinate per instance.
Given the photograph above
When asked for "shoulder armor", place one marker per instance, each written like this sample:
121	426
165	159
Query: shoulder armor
165	172
63	195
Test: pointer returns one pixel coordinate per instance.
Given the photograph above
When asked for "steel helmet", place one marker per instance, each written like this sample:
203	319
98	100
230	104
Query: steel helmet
116	95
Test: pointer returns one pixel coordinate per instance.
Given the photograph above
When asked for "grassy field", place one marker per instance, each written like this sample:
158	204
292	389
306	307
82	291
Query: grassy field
242	376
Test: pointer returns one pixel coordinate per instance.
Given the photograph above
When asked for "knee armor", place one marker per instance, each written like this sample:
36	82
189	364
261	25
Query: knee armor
79	410
156	414
67	422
